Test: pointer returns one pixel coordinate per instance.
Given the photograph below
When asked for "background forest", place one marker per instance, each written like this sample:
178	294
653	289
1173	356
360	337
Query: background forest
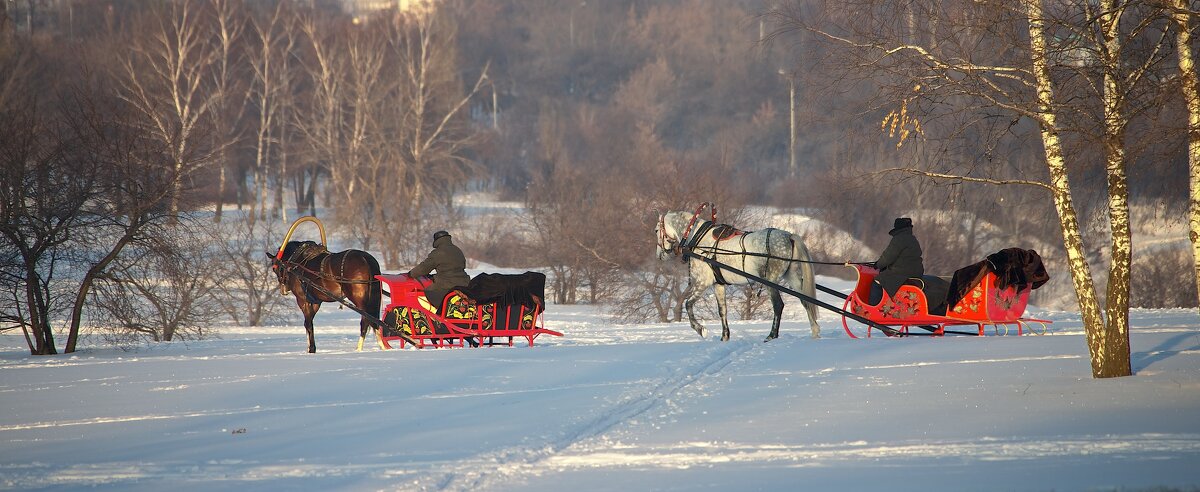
129	130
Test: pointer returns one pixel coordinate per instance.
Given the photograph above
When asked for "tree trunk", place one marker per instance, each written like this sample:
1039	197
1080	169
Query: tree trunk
85	286
1081	275
220	189
1115	345
311	194
1190	83
176	190
39	318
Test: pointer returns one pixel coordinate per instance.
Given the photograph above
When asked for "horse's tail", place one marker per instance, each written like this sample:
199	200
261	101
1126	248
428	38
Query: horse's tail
802	278
375	293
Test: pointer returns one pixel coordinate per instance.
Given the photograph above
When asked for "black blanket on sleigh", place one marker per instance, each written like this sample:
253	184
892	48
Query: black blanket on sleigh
1013	267
526	289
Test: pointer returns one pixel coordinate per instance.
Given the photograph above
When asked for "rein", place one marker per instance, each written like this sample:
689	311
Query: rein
722	251
689	244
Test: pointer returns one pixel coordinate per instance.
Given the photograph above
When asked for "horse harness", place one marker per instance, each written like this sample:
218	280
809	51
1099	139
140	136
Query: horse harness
720	232
299	259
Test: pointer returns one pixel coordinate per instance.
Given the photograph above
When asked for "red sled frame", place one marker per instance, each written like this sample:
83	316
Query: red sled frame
984	305
407	292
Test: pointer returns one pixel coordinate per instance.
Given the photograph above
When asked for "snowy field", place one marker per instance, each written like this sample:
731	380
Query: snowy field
608	407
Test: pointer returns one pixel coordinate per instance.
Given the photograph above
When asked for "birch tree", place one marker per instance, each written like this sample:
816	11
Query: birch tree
228	84
425	157
1182	17
321	127
433	137
268	92
165	78
364	191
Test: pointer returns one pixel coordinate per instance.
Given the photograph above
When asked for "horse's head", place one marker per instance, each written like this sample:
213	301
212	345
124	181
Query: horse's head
283	259
281	273
667	233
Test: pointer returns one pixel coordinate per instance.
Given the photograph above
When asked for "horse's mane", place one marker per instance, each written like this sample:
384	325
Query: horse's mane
301	251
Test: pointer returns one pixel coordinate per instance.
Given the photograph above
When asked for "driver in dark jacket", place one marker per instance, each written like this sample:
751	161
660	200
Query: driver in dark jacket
451	267
900	261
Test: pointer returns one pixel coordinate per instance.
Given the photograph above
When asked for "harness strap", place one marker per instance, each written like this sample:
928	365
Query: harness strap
689	243
717	277
694	241
291	265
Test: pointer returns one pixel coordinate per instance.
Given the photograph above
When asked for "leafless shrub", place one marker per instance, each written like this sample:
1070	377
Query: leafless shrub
159	291
496	241
1160	280
246	291
749	301
654	294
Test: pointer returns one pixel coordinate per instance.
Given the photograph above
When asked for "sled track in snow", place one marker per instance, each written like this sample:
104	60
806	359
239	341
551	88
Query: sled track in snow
499	467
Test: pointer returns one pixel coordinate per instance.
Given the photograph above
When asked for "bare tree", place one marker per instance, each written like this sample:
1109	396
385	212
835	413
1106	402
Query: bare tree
363	190
165	78
160	290
267	84
78	188
320	123
228	87
135	193
431	101
247	292
43	198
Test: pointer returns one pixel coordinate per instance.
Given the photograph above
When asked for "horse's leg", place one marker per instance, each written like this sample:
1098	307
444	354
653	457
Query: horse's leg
688	303
362	333
719	292
812	319
777	308
310	311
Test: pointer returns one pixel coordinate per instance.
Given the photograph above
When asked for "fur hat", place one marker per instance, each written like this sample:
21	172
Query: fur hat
440	234
900	223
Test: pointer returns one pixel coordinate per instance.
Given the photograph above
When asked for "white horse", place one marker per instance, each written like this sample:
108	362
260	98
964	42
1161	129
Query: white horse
772	254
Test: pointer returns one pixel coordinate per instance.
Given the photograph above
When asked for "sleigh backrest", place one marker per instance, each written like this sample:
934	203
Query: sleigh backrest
986	302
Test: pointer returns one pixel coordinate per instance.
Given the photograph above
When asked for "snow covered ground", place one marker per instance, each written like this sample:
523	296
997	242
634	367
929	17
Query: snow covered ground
608	407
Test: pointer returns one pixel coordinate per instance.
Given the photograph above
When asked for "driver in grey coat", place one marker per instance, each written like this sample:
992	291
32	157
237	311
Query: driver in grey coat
900	261
450	264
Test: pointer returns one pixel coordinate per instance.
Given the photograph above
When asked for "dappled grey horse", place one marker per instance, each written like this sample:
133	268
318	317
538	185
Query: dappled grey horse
767	253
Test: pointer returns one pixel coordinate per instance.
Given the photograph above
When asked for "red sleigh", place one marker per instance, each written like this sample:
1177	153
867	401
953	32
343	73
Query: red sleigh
984	305
460	320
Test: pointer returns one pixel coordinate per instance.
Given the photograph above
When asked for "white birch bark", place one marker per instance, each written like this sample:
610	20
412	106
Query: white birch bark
1181	17
1113	351
1081	275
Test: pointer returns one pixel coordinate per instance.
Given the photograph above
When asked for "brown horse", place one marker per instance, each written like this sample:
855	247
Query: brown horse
348	274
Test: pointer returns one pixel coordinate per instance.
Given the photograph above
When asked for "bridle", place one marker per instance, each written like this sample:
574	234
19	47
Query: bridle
665	243
676	245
